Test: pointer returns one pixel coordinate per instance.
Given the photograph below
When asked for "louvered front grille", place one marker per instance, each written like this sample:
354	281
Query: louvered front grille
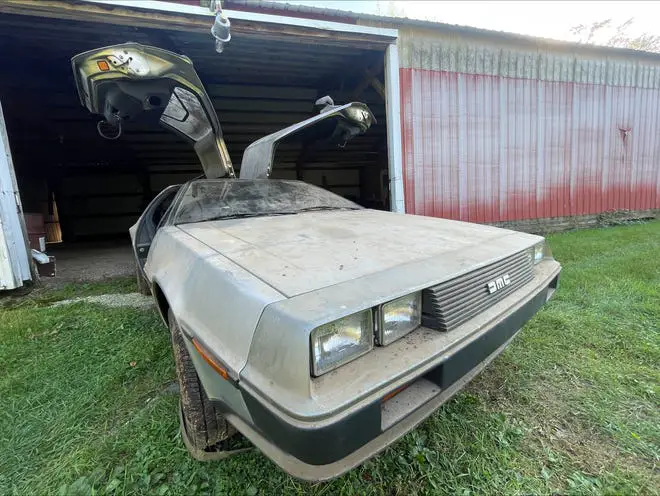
451	303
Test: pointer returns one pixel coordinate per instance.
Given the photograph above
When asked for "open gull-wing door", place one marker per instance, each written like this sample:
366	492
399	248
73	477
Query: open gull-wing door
335	125
121	82
143	231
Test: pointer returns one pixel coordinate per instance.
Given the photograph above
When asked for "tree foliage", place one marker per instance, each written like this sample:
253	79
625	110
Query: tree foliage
390	9
615	36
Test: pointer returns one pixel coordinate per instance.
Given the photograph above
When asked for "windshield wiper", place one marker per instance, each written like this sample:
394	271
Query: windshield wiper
272	214
312	209
246	215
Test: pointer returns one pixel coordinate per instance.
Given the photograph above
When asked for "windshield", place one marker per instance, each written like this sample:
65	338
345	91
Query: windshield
212	199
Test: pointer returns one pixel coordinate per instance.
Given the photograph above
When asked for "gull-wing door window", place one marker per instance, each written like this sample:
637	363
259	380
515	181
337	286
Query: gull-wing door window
124	82
144	230
334	126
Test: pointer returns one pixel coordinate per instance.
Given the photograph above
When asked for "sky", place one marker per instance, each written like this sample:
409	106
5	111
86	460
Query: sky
546	19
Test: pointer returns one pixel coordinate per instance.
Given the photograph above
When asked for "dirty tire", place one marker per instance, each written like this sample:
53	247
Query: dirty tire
204	426
142	284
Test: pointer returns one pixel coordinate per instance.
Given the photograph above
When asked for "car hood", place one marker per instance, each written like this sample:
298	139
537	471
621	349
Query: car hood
299	253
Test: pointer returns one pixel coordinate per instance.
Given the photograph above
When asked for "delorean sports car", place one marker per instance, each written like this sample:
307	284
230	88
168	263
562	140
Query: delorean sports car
320	330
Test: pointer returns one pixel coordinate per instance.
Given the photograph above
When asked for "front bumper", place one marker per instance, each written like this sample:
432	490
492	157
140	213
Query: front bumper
321	451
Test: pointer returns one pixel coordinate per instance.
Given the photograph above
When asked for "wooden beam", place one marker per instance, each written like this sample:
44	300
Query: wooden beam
378	86
374	67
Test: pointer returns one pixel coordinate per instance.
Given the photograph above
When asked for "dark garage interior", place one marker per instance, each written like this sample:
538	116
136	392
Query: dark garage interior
92	189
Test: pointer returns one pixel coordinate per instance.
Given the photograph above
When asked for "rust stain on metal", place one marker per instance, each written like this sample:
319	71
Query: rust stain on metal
491	149
494	131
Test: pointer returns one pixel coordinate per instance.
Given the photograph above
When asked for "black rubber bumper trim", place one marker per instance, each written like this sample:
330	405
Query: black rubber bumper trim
464	360
317	446
335	441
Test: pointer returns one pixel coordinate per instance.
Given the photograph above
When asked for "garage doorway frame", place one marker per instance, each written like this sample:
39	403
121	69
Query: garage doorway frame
183	17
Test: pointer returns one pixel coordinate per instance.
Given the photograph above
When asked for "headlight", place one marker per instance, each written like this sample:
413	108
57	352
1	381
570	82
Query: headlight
398	317
540	251
341	341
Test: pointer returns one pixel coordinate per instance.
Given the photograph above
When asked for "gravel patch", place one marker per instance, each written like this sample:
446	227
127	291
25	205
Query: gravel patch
135	300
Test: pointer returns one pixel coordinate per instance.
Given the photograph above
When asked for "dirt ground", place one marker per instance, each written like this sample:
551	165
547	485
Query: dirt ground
89	262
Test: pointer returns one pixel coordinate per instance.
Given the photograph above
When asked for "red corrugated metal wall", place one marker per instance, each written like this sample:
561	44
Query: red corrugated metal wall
490	148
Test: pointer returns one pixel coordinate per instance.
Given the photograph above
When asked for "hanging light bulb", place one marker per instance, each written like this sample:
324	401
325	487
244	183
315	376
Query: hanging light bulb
220	28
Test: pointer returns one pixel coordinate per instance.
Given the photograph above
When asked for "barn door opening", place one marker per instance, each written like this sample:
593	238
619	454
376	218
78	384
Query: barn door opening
268	78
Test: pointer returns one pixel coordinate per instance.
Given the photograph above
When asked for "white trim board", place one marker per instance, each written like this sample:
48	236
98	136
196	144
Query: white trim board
394	144
177	8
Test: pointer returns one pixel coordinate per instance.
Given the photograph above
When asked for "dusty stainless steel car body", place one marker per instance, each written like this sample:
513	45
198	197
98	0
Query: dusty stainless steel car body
321	330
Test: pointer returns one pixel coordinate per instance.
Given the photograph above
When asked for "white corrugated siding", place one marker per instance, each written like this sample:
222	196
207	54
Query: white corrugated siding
494	132
14	264
439	53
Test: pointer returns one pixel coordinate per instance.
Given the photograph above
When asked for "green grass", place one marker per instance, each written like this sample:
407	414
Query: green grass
572	406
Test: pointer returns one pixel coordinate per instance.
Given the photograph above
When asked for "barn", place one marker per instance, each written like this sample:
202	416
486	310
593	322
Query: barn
473	125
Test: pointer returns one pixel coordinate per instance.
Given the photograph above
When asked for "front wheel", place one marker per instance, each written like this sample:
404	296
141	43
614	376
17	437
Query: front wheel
203	428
